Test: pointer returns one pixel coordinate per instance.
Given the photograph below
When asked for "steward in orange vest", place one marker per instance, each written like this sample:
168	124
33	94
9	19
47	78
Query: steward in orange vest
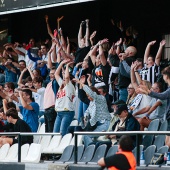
122	160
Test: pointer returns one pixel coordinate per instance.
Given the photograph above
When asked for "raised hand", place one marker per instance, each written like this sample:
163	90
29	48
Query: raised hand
68	41
65	61
78	64
122	56
112	50
20	93
83	79
89	77
24	70
60	18
46	18
119	42
152	42
162	43
133	65
93	35
105	40
68	64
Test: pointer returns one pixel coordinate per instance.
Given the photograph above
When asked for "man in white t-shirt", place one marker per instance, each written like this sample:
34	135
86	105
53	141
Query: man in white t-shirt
44	51
38	93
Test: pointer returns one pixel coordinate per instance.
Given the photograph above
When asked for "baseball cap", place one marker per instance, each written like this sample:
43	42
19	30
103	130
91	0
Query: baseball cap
121	108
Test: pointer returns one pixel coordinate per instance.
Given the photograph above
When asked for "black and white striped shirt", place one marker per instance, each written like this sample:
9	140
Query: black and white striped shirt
150	74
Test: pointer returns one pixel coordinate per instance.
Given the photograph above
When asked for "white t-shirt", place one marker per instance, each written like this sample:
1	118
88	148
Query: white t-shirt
65	97
45	57
143	103
27	59
21	57
39	97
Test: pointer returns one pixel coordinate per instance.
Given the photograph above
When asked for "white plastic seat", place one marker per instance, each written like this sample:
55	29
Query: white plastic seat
45	141
65	141
12	153
34	153
24	152
41	129
4	151
55	141
79	140
74	123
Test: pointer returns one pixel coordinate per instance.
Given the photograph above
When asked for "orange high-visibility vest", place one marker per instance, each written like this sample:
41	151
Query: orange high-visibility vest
131	159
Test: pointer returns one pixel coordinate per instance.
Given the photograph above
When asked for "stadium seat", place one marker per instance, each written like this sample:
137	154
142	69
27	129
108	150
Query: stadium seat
74	123
148	154
159	141
24	152
148	139
34	153
163	149
163	126
79	140
80	150
55	141
12	153
88	154
67	153
41	129
45	141
4	151
99	153
112	150
65	141
140	150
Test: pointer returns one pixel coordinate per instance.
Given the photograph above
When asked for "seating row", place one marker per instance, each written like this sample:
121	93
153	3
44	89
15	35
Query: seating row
29	153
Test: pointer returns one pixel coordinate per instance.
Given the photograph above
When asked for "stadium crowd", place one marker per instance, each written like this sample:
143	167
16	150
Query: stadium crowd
101	84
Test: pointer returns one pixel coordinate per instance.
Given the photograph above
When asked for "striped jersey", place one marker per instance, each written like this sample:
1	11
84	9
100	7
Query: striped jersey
150	74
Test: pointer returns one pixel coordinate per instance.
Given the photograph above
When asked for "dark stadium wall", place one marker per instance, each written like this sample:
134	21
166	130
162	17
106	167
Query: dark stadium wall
149	17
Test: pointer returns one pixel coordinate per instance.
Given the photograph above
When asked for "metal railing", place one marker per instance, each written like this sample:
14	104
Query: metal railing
24	134
131	133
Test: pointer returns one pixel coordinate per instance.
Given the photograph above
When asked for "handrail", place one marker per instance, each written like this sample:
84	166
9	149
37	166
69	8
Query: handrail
137	133
19	134
132	133
124	132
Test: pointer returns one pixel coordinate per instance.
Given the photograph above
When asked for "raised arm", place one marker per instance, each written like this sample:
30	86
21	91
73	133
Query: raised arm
16	50
67	74
68	46
58	25
80	34
30	71
20	78
92	37
138	77
133	78
159	53
87	36
101	52
147	51
85	87
118	45
48	27
57	72
93	53
24	104
63	42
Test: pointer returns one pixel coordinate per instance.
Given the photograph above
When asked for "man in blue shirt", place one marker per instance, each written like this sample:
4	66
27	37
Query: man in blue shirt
29	109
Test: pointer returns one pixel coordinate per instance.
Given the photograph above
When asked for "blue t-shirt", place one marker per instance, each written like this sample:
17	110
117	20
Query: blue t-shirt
31	116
